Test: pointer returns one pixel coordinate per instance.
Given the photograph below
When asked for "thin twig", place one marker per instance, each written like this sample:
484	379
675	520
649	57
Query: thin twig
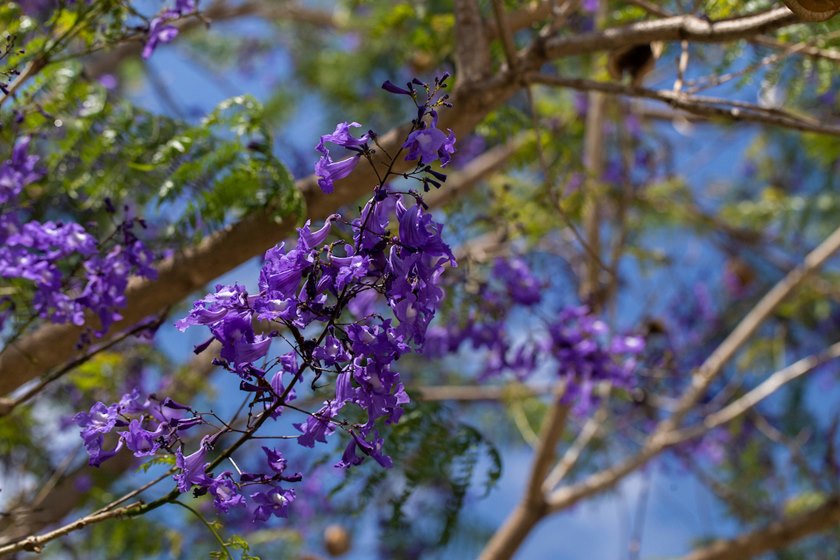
728	109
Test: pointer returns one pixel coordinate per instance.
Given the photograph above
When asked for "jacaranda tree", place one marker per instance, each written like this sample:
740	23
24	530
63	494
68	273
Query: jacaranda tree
291	279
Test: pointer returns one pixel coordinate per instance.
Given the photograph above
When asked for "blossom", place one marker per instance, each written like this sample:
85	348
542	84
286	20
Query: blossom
18	171
95	424
184	6
275	501
418	231
192	468
391	87
225	493
308	239
275	459
283	271
215	307
330	352
160	31
142	442
342	137
329	171
430	144
586	353
317	426
521	285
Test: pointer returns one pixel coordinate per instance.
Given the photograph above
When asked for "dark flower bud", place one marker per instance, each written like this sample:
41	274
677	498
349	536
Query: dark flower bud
391	87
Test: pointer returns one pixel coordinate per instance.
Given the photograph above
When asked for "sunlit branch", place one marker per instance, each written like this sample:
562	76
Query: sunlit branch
590	431
665	437
775	536
675	28
772	384
532	506
726	109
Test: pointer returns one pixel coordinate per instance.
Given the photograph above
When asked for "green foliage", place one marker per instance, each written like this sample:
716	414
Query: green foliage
157	460
437	459
196	177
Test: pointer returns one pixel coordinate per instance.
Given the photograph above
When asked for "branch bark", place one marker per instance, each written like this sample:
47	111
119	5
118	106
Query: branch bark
774	537
730	110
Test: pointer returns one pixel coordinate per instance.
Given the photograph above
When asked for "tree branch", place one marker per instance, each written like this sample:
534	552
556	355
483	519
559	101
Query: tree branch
774	537
727	109
472	55
532	507
676	28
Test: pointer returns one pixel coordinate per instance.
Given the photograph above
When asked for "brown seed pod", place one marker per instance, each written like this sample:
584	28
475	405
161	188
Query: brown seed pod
336	540
636	60
814	10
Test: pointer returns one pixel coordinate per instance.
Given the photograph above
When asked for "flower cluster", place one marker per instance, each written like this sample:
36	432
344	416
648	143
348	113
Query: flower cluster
310	285
147	427
425	142
587	353
45	254
344	313
575	344
141	425
161	29
512	284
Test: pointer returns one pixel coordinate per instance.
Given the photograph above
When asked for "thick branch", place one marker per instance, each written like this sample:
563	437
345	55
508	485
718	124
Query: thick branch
726	109
774	537
677	28
472	56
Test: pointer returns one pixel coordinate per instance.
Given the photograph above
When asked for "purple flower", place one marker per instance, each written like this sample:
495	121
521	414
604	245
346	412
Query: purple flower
376	215
587	354
430	144
225	493
419	231
342	137
391	87
108	81
282	272
17	172
275	501
240	346
329	171
192	468
185	6
275	459
308	239
142	442
317	426
374	449
521	285
160	32
215	307
95	424
331	352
